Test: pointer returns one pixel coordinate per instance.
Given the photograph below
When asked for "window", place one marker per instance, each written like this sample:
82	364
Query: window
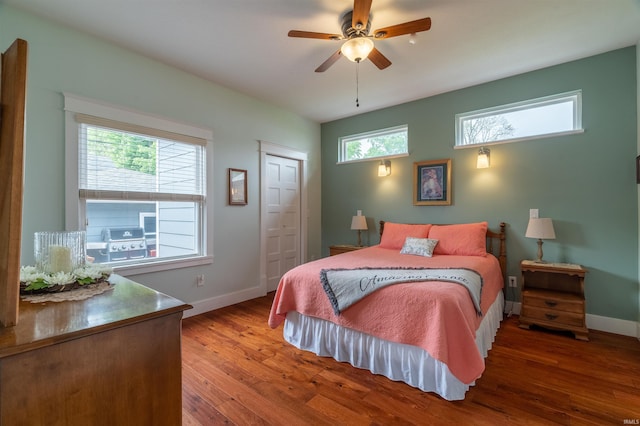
141	191
148	224
542	117
391	142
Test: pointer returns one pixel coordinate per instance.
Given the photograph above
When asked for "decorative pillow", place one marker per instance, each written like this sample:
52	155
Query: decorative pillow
419	246
395	234
467	239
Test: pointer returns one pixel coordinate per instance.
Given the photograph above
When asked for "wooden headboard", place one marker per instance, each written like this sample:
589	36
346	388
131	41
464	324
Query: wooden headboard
496	245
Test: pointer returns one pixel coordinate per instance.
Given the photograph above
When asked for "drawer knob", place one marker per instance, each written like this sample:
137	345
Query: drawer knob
550	317
550	303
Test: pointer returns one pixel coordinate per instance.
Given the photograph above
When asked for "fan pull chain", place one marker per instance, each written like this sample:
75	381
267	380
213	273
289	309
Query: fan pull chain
357	83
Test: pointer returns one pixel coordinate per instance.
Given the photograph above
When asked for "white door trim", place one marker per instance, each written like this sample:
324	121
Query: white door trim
267	148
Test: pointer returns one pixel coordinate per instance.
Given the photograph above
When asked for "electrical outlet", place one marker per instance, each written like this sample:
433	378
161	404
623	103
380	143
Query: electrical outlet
200	280
534	213
513	281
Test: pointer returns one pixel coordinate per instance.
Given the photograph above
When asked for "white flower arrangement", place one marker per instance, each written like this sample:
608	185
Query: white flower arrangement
31	279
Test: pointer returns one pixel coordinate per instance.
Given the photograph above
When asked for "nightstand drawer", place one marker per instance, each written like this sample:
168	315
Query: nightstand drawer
553	301
552	316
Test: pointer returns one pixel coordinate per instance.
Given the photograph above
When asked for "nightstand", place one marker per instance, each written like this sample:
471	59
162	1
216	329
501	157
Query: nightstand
339	249
553	297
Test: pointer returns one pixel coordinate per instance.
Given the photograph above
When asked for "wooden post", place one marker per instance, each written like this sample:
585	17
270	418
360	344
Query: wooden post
13	77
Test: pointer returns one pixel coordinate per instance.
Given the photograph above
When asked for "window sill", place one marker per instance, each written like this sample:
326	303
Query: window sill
162	265
382	157
528	138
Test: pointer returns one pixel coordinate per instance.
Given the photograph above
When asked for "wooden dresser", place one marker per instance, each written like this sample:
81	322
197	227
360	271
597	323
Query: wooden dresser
553	297
113	359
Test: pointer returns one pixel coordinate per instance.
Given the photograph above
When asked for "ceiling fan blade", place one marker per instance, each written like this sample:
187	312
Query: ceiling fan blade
326	64
361	10
378	59
310	34
407	28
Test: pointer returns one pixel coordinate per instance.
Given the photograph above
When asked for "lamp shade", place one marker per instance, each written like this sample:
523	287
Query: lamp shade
384	168
541	228
357	49
359	222
483	158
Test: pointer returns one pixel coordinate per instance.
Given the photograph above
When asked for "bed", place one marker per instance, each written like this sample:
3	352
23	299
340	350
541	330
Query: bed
431	306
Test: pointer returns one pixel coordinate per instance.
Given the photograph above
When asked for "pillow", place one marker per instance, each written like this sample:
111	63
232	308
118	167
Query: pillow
395	234
419	246
468	239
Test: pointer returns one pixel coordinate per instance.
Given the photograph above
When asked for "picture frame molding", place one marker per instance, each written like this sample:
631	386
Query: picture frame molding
443	169
237	187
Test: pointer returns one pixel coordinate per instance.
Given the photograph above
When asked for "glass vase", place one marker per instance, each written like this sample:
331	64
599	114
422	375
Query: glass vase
59	251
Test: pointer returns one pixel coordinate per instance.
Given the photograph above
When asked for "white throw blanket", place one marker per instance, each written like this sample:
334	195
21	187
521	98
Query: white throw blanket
344	287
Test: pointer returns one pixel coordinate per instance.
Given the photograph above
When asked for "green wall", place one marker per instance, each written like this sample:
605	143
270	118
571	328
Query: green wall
585	182
64	60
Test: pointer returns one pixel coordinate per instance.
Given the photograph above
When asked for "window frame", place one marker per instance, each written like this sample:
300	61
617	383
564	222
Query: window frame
75	207
575	96
141	221
343	140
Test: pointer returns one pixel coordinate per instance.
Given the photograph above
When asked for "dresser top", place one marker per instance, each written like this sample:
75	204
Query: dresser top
44	324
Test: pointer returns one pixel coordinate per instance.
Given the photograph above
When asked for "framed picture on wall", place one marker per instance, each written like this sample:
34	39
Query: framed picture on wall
432	183
237	187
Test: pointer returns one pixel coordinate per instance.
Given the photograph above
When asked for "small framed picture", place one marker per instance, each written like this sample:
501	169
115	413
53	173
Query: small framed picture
432	183
237	187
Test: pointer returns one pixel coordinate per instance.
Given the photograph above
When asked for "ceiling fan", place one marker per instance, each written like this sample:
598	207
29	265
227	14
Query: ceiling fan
359	43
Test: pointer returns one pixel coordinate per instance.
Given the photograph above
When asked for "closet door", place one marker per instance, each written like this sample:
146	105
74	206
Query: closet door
283	217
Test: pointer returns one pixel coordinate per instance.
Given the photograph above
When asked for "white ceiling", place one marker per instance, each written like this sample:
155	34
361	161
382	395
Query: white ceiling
243	44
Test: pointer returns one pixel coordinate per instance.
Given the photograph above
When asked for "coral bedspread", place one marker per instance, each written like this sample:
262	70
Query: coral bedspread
438	317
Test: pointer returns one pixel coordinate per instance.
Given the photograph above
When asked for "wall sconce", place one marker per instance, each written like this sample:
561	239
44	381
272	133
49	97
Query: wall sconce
483	158
384	168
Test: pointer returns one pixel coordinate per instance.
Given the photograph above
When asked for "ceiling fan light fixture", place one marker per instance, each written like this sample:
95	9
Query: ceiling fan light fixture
358	40
356	49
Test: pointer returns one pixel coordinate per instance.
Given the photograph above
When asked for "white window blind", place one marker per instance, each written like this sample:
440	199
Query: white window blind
122	161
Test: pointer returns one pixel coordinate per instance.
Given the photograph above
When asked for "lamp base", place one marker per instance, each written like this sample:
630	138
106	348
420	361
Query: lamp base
539	259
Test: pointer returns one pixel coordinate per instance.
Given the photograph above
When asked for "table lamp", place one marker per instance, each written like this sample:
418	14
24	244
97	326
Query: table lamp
542	229
359	223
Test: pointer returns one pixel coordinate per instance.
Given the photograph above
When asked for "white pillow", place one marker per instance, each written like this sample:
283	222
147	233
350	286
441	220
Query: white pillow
419	246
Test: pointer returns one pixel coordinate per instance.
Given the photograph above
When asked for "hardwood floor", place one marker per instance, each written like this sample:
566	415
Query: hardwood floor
236	370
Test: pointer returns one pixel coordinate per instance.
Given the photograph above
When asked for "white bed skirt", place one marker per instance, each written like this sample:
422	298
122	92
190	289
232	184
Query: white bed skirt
399	362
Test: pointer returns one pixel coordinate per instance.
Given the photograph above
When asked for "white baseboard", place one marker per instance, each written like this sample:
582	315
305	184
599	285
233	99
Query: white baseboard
206	305
613	325
594	322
